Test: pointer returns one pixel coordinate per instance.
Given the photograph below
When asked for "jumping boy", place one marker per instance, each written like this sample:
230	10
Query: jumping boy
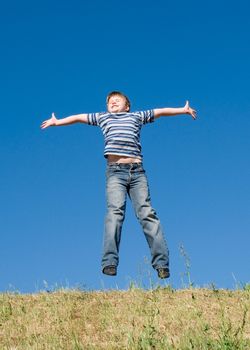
125	175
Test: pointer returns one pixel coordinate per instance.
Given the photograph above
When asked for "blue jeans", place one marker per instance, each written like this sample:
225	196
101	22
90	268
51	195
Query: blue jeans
123	179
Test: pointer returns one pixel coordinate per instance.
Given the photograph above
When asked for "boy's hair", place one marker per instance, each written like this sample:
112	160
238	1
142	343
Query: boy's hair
119	93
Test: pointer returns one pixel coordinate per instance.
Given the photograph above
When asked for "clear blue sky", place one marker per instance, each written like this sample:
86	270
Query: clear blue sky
64	57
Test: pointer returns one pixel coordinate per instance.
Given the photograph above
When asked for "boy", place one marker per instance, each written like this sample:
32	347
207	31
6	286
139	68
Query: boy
125	175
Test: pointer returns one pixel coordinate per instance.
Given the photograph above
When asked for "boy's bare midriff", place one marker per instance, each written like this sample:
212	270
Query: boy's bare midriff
112	158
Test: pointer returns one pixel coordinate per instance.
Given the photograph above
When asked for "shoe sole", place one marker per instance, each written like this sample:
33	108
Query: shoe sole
109	273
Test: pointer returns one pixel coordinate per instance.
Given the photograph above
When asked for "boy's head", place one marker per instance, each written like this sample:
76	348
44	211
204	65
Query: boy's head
117	102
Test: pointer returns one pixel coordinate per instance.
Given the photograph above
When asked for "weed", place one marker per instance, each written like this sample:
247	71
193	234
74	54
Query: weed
187	265
246	287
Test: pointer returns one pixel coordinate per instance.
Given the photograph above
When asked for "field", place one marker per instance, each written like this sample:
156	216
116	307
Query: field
159	318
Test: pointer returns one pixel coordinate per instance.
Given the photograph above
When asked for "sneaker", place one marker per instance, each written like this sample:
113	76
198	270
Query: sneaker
110	270
163	272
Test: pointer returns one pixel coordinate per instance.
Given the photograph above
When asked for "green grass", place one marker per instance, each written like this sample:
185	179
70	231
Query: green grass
160	318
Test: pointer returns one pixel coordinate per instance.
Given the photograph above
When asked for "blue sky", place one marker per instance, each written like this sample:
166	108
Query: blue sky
65	57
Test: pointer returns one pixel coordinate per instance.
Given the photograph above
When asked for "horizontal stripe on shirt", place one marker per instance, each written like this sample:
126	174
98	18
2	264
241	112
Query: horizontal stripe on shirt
121	131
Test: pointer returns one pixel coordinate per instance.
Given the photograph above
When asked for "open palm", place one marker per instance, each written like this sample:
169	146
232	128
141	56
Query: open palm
189	110
49	122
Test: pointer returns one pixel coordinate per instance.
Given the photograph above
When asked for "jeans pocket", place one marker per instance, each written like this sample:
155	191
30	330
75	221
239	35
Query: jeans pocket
111	170
141	170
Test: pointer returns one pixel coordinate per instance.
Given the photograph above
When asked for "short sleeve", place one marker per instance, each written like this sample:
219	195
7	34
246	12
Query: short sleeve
93	119
147	116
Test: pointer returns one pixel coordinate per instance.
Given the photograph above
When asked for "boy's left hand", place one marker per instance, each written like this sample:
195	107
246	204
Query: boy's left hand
189	110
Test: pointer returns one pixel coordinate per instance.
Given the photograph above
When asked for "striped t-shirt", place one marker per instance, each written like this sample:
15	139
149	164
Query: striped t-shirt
122	131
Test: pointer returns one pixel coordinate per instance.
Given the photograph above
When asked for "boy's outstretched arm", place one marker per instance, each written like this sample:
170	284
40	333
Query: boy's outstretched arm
168	112
53	121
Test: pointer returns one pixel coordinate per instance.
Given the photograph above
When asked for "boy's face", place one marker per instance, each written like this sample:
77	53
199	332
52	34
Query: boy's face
117	104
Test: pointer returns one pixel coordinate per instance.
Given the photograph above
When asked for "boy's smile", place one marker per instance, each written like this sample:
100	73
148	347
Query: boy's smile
117	104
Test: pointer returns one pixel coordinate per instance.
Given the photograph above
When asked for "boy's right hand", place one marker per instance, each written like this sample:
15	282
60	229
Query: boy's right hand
49	122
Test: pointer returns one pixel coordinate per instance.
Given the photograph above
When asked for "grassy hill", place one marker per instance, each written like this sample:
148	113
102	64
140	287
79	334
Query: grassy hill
160	318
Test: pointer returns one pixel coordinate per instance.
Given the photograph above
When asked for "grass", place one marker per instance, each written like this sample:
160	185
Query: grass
139	318
160	318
